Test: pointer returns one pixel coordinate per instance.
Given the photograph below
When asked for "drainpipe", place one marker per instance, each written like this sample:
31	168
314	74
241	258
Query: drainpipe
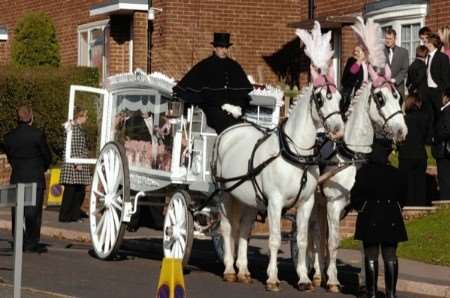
311	9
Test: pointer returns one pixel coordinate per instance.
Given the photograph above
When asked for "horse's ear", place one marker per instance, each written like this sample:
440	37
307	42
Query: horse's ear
372	73
387	72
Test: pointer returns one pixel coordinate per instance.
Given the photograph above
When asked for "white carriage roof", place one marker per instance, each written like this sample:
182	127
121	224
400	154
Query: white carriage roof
119	7
139	79
269	96
3	33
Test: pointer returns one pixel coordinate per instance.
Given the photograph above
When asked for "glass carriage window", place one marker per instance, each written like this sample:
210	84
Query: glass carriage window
141	126
93	103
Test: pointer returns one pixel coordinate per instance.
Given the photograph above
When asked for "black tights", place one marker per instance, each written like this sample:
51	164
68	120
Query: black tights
388	250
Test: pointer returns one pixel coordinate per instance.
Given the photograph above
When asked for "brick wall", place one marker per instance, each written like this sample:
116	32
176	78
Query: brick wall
66	15
140	44
119	41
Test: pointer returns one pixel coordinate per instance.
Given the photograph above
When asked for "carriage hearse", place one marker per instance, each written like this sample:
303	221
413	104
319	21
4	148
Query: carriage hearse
148	150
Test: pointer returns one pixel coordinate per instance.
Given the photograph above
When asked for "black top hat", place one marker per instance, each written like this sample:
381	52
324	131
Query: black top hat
221	40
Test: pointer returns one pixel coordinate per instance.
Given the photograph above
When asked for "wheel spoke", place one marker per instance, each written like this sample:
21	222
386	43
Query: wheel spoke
99	225
172	217
113	229
103	232
108	233
115	219
116	204
99	194
102	179
107	169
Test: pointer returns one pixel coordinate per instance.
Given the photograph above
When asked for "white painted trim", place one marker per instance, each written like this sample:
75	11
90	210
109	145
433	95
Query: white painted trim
130	49
3	36
117	7
73	89
398	12
88	26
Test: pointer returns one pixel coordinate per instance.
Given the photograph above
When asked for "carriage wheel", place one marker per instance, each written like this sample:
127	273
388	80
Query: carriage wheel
178	227
110	191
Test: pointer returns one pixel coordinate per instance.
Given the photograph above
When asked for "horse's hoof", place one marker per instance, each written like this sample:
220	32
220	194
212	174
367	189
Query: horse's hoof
333	288
245	279
305	287
317	281
273	287
229	277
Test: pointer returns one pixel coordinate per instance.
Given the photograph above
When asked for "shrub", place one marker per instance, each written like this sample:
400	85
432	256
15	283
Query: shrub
35	41
46	89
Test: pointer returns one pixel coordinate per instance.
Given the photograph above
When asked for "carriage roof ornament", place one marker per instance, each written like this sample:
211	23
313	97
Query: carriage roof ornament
155	80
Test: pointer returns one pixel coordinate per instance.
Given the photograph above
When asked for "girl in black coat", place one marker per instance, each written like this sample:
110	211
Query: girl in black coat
377	195
440	142
412	153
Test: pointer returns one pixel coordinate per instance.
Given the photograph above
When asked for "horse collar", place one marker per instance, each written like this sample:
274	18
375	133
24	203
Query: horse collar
295	159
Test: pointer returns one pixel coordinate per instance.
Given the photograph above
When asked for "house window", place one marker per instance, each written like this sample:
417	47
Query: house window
410	39
92	45
406	19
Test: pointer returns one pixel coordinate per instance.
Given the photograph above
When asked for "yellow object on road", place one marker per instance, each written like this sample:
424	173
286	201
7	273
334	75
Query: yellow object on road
55	190
171	279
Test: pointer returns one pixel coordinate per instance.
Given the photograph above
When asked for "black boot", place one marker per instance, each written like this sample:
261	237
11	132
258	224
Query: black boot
390	278
371	278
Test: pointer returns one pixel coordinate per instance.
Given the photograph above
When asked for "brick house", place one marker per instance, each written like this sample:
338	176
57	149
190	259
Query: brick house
172	35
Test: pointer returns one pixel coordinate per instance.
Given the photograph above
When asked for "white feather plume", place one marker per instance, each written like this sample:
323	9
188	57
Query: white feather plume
371	37
317	46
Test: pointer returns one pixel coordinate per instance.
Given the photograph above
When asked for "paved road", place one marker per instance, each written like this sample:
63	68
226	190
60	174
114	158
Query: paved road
69	269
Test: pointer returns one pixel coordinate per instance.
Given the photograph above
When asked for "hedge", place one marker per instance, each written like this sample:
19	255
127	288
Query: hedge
46	89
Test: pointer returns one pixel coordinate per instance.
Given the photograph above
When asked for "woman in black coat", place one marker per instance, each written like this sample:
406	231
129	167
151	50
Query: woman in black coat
412	153
440	142
377	195
352	77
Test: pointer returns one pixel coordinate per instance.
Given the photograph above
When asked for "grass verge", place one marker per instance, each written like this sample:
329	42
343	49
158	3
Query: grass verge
429	239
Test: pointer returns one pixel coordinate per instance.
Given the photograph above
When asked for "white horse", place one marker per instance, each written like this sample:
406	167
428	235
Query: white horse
279	181
376	106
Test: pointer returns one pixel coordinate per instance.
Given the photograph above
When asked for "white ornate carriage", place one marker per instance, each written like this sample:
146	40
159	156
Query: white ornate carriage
145	149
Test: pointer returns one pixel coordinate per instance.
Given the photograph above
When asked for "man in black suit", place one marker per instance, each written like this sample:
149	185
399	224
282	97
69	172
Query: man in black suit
29	155
438	74
398	60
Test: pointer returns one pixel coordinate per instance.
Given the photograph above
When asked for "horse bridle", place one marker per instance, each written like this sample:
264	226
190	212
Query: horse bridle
319	101
380	102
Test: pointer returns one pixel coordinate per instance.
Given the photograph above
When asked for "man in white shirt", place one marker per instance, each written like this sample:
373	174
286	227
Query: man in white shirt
438	74
398	60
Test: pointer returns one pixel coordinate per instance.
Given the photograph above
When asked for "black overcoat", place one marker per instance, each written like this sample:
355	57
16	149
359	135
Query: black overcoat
378	196
28	153
213	82
441	134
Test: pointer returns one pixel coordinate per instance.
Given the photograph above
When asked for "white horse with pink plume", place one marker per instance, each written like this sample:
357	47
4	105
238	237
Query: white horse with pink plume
375	107
278	168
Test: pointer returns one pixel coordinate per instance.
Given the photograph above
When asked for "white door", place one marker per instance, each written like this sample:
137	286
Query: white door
95	101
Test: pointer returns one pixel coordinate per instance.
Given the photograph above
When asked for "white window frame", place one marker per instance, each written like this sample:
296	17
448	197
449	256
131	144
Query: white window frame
398	15
87	28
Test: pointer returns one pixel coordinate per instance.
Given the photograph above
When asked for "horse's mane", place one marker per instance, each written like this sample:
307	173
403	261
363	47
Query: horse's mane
305	92
370	37
317	46
357	98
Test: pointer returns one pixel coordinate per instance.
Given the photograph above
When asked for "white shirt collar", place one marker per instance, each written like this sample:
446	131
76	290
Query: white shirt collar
431	54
